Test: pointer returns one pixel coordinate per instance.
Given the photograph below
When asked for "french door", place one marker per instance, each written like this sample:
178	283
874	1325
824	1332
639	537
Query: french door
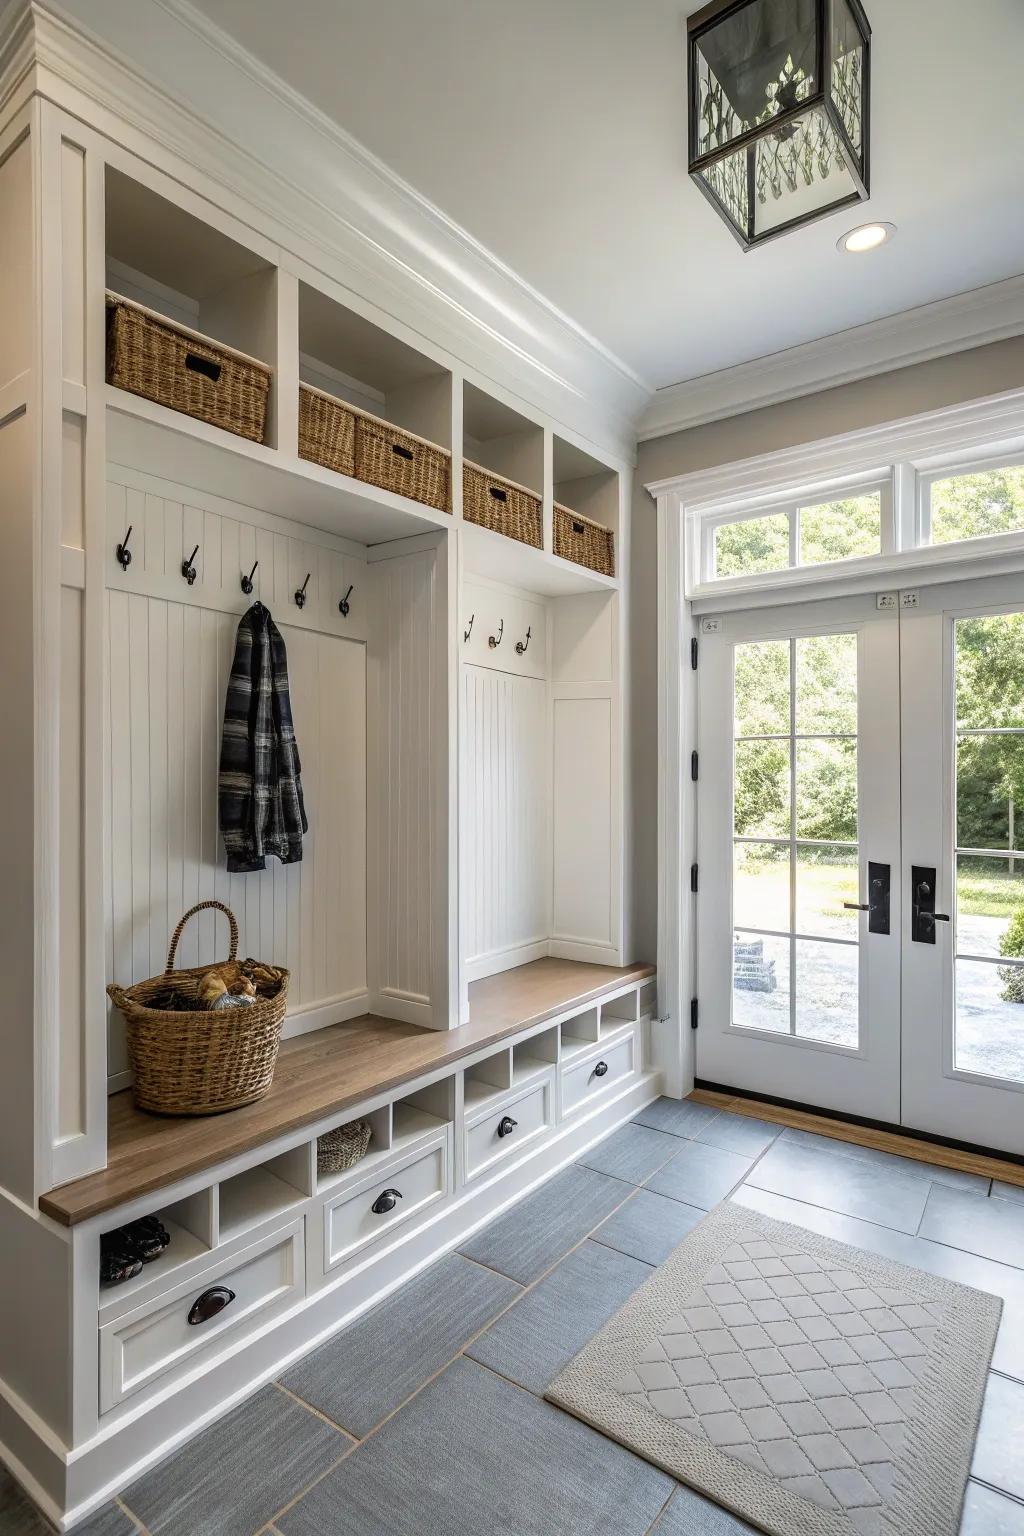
860	906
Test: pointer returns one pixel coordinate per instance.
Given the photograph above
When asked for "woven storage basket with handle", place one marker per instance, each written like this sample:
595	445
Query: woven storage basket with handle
188	1060
501	505
343	1147
583	541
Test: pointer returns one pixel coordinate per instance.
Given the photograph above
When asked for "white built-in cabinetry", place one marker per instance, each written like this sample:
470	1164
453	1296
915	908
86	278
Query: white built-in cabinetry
466	800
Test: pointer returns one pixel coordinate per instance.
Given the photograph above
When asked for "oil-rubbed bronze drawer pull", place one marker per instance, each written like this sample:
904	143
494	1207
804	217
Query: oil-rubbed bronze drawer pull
601	1069
507	1126
385	1201
209	1304
204	365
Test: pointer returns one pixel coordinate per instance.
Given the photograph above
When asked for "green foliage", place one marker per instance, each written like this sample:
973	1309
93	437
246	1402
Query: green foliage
969	506
1012	942
839	530
758	545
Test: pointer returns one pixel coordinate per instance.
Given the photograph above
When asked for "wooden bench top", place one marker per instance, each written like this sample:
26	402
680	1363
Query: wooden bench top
317	1074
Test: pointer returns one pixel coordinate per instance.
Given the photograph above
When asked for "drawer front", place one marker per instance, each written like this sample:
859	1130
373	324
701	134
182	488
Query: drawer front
492	1137
370	1211
143	1346
584	1081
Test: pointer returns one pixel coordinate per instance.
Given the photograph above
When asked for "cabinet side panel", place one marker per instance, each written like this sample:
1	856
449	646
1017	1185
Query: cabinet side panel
582	820
16	277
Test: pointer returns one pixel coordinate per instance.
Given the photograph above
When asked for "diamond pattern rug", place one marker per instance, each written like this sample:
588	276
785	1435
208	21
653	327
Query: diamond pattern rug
812	1388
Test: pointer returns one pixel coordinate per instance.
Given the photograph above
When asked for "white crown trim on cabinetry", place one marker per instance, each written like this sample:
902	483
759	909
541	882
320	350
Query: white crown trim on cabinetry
969	319
163	70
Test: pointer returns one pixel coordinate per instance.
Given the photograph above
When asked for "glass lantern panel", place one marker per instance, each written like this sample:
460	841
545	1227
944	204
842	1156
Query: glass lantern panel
755	63
727	179
847	84
801	170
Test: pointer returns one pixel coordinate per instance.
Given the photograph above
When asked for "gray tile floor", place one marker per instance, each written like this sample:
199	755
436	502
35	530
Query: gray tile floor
428	1412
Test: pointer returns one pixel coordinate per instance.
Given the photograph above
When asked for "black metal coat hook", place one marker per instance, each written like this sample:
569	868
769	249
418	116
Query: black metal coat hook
124	554
345	605
467	632
247	580
300	595
522	644
495	640
188	567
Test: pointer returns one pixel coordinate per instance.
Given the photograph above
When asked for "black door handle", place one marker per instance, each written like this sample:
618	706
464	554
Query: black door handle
386	1201
507	1126
923	914
209	1304
601	1069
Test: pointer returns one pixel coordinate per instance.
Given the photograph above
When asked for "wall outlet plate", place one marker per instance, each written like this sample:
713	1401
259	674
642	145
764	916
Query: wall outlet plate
711	626
887	600
908	599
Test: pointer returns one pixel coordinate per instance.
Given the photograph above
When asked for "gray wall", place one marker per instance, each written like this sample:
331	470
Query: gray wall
867	403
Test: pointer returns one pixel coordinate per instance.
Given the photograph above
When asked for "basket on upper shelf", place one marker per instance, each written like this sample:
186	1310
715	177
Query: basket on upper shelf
151	356
584	542
351	442
196	1061
501	505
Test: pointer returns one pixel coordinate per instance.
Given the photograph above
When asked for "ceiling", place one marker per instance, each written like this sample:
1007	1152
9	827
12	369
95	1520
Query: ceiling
554	132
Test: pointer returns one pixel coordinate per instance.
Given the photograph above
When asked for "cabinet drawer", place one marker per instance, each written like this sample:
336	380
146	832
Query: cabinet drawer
491	1137
157	1339
370	1210
583	1081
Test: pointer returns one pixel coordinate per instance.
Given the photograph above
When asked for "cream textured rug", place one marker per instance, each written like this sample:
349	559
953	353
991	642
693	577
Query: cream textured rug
811	1388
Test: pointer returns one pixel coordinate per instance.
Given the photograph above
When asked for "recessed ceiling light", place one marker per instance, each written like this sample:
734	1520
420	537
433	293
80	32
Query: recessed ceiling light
866	237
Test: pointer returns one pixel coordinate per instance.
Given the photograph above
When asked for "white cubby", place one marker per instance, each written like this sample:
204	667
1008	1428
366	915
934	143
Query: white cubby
620	1010
348	356
577	1033
192	1226
488	1079
585	485
537	1054
502	440
268	1190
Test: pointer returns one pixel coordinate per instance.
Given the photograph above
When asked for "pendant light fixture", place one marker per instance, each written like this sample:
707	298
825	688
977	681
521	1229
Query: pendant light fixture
779	102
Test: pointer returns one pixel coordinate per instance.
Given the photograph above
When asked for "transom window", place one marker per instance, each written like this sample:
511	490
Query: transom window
803	532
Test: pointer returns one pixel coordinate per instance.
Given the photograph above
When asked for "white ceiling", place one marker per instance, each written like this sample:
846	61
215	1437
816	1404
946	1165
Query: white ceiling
554	132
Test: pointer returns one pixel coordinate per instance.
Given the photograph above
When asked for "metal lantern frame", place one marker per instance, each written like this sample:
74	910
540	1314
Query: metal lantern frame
706	20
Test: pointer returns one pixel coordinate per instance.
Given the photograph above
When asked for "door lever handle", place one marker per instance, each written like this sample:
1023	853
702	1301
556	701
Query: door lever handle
857	906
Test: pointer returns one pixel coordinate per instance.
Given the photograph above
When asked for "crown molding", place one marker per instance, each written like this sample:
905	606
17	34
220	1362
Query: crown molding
165	71
970	319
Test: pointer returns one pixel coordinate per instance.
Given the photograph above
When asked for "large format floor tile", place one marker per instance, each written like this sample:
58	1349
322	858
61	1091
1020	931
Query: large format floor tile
234	1477
994	1228
648	1226
535	1339
687	1514
677	1116
843	1184
19	1517
632	1153
473	1454
997	1454
985	1274
739	1133
700	1175
987	1513
537	1232
1001	1191
365	1372
911	1166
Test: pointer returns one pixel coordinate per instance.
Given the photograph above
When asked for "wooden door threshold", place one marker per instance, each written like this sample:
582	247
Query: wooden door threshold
883	1138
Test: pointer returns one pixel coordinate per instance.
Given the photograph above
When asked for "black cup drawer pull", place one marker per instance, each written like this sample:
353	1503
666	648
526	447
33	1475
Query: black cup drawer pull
601	1069
403	453
386	1201
507	1125
209	1304
204	365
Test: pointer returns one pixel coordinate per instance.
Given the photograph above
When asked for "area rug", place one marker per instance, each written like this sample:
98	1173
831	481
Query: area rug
811	1388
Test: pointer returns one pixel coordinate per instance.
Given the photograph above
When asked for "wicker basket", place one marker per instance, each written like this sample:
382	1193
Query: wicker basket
584	542
327	431
176	367
342	1148
398	461
502	506
192	1061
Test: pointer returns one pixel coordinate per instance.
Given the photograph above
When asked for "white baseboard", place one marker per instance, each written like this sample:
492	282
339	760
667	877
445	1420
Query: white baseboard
407	1007
588	951
119	1453
498	960
349	1005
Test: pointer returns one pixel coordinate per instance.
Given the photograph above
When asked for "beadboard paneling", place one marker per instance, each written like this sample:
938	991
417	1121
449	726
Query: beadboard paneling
582	844
169	660
505	824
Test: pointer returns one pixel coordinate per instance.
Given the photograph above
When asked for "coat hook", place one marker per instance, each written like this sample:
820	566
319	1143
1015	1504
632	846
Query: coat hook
247	580
124	554
300	596
495	640
344	605
467	632
522	644
188	567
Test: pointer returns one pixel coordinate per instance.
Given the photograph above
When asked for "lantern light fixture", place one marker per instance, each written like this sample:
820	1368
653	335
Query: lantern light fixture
778	111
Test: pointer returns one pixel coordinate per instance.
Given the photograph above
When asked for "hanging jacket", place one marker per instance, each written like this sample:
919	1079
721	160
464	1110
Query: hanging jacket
261	809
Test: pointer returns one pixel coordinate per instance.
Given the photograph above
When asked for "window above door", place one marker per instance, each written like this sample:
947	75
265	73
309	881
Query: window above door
891	505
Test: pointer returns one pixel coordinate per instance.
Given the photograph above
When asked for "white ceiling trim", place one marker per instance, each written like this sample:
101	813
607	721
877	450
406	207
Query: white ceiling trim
167	72
932	330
